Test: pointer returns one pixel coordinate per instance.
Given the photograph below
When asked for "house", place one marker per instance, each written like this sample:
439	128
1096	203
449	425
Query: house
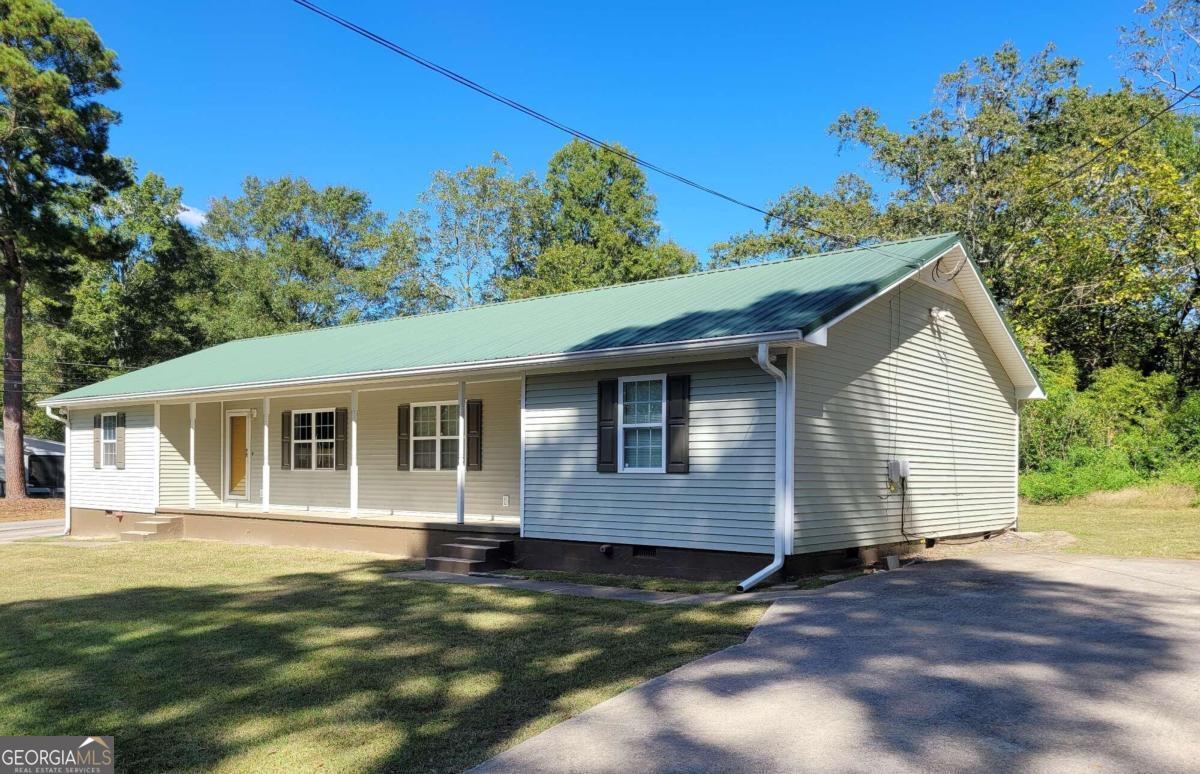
43	466
717	424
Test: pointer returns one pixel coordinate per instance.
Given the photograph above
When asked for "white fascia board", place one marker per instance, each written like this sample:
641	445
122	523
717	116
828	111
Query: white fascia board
516	365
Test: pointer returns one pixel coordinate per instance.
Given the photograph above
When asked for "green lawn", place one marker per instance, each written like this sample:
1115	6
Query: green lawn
207	656
1159	524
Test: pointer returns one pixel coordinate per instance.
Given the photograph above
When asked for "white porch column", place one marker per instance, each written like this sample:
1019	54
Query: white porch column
354	453
462	453
157	455
192	454
266	456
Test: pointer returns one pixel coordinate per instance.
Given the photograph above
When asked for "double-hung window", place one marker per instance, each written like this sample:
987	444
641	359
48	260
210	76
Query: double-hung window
642	416
314	442
108	440
435	436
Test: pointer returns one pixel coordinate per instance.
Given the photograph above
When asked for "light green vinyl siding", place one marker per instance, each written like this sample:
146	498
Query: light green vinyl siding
889	385
383	488
173	451
130	489
724	503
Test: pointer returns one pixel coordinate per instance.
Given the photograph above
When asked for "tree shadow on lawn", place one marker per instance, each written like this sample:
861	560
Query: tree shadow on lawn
346	670
954	665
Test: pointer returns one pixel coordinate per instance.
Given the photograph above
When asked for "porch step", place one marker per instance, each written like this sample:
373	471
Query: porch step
469	555
156	528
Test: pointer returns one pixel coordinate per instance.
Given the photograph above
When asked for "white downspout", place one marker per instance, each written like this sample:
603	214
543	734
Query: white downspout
782	517
66	468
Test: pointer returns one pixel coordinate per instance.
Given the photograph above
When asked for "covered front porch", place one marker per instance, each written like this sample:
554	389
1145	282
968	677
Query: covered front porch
433	454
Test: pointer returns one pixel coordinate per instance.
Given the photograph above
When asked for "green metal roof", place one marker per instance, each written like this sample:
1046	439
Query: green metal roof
798	294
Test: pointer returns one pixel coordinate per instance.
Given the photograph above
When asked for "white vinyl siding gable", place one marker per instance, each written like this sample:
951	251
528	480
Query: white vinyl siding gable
892	385
107	488
725	502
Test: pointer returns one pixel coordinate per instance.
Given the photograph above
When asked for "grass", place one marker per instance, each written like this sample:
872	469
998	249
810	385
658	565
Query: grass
1158	522
209	656
31	509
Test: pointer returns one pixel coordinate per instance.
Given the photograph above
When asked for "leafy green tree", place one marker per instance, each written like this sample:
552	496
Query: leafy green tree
1096	259
478	222
600	227
53	165
290	256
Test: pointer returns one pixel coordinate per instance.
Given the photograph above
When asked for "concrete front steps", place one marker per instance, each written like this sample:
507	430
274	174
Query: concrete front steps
155	528
472	554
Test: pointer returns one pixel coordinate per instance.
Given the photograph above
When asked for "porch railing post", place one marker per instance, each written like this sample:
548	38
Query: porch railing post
354	453
461	511
266	456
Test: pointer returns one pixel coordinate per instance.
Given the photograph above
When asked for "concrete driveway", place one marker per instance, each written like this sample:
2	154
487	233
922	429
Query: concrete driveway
1031	663
13	531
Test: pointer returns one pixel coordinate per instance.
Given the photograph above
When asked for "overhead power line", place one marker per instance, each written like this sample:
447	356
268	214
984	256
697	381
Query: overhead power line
1117	143
545	119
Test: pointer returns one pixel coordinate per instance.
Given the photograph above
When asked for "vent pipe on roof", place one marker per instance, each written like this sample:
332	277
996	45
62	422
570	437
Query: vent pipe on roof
782	516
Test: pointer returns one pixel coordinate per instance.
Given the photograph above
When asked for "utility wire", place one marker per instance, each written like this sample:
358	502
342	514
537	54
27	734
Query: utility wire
1116	143
66	362
545	119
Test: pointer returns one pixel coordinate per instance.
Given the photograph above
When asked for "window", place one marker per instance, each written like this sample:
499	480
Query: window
435	436
643	408
313	440
108	440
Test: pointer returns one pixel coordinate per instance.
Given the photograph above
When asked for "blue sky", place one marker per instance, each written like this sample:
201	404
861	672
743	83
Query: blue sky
736	95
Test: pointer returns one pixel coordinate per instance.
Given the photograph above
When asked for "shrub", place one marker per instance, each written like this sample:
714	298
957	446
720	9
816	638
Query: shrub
1084	469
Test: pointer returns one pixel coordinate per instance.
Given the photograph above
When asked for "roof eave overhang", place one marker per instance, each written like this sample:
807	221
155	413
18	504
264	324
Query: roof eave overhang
497	366
1025	380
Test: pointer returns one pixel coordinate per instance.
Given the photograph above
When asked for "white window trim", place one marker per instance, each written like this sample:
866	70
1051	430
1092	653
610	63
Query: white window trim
661	424
313	441
104	443
412	437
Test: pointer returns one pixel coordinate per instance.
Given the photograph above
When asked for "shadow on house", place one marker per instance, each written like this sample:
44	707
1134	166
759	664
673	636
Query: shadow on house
777	311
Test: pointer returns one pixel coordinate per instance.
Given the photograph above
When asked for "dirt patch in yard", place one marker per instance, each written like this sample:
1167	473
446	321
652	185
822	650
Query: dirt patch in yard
1019	542
32	509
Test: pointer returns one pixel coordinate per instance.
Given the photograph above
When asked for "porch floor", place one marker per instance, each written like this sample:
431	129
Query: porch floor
506	524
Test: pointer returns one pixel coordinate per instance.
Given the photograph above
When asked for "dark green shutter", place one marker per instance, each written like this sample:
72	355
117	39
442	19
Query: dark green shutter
679	388
341	421
285	436
121	441
474	435
96	455
402	437
606	426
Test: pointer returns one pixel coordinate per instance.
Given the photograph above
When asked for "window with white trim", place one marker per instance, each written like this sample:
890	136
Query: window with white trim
643	413
314	442
434	436
108	440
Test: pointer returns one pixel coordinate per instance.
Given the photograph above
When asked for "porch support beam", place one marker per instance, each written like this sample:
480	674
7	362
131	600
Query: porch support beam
354	453
192	454
461	510
266	455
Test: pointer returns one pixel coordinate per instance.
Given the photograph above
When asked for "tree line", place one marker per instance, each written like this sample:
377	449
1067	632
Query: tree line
1085	219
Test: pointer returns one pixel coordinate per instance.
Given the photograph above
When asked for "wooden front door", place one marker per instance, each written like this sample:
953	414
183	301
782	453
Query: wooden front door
239	451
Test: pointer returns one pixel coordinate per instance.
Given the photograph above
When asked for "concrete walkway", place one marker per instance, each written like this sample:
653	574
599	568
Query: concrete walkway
13	531
1031	663
601	592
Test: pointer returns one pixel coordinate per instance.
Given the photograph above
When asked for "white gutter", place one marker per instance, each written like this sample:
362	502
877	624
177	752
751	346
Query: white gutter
782	517
66	469
515	364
